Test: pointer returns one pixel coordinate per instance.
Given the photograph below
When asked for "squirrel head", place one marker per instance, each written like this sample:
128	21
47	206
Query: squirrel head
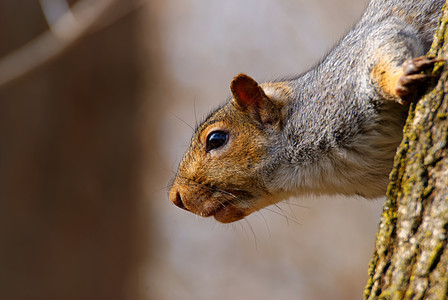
222	173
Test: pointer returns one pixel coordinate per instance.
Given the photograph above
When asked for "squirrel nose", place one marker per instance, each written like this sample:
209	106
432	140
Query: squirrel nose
177	200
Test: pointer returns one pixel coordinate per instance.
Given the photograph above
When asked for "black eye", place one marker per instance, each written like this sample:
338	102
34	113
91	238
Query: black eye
216	139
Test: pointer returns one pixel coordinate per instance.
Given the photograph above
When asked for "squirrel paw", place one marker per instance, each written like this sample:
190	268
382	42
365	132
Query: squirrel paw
410	84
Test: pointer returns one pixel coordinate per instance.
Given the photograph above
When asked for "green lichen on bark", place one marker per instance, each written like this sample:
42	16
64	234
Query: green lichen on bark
410	260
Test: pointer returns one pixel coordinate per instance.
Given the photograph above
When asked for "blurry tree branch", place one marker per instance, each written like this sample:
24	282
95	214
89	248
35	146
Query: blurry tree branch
84	17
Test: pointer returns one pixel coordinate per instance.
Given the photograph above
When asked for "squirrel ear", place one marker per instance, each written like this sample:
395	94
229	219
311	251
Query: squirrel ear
250	97
246	91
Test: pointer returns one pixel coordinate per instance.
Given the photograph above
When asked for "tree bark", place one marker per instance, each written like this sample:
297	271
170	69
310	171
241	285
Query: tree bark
410	260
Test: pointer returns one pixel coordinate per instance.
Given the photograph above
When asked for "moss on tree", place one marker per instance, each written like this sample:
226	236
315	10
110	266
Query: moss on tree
410	260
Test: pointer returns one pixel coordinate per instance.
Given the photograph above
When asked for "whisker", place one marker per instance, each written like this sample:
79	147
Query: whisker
193	183
174	171
283	215
162	188
275	212
214	225
195	115
291	211
265	222
242	228
253	233
183	121
229	194
291	216
295	204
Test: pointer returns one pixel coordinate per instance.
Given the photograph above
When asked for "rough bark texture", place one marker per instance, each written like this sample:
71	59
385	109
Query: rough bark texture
411	254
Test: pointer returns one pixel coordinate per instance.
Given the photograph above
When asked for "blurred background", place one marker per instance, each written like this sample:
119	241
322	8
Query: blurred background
97	101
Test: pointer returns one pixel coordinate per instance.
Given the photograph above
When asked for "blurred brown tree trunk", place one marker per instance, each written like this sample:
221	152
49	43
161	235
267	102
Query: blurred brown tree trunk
70	164
411	251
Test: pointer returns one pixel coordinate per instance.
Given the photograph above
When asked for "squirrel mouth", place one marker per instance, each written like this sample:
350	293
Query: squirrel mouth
225	205
229	213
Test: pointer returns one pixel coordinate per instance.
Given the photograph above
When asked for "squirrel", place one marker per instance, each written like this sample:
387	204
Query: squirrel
332	130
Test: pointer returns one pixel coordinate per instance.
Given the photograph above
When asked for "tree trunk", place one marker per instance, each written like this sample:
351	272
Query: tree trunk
411	254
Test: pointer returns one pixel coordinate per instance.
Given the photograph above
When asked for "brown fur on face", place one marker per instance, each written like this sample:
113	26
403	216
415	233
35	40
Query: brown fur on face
226	183
211	183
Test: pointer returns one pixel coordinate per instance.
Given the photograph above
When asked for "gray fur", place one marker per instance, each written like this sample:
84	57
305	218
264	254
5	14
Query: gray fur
341	134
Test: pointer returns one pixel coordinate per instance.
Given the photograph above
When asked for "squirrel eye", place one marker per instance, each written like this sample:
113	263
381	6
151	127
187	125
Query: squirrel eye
216	140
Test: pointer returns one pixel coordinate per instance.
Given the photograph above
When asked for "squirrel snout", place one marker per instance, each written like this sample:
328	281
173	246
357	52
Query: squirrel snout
176	199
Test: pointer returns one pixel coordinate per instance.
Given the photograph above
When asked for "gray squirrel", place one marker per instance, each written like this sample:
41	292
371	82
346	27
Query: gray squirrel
332	130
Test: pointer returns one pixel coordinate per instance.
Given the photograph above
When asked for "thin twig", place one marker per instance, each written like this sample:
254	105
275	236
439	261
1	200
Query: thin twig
83	18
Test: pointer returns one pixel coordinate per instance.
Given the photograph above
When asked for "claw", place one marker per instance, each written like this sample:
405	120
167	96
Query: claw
413	79
409	86
419	64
